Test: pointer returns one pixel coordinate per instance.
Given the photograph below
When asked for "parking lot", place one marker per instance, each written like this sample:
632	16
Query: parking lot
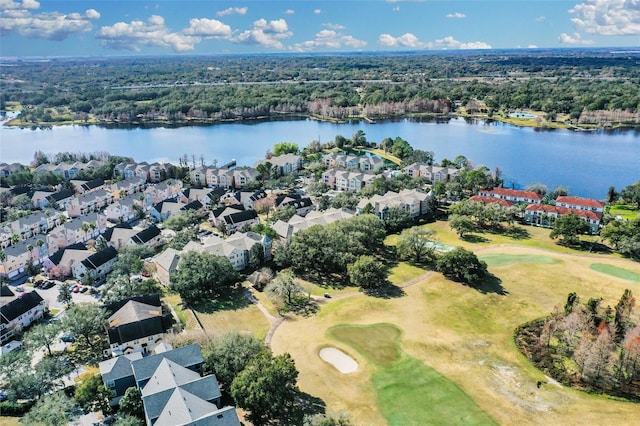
51	295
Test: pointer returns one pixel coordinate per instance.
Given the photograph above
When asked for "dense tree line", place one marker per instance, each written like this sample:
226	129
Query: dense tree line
132	90
587	345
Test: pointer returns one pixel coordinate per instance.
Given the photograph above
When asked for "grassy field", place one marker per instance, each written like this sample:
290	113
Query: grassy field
408	392
624	211
616	271
465	336
510	259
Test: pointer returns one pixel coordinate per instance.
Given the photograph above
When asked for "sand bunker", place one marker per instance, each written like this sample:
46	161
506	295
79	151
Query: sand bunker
341	361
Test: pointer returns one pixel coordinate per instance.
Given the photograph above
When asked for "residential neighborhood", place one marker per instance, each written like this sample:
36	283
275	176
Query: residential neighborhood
124	244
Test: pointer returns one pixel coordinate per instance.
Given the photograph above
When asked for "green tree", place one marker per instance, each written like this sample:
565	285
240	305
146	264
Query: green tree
27	382
416	244
65	294
622	320
131	403
462	265
267	389
92	395
345	200
284	289
285	148
87	320
41	335
367	273
183	237
631	194
229	354
55	409
256	256
401	148
624	235
202	276
462	224
568	227
396	219
264	229
126	420
283	213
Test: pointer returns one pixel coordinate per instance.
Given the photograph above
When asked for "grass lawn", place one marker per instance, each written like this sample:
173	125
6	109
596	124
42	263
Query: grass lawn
404	272
509	259
452	333
185	316
616	271
624	211
236	314
10	421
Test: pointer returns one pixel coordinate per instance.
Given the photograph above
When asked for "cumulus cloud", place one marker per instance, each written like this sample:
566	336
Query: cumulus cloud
410	40
574	39
153	32
541	18
289	12
331	26
267	34
24	4
396	8
405	40
317	11
209	28
456	15
451	43
607	17
18	18
232	10
329	39
532	46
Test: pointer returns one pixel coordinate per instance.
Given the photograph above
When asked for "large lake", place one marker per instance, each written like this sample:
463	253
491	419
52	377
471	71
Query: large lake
585	162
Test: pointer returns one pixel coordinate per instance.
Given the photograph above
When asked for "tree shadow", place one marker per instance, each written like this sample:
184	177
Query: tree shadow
517	233
491	284
232	301
311	404
593	247
386	291
473	238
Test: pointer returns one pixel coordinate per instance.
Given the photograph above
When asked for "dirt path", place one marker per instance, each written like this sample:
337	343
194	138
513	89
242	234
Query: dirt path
273	320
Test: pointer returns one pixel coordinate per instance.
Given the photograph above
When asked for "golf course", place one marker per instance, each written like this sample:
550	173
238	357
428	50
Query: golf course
440	352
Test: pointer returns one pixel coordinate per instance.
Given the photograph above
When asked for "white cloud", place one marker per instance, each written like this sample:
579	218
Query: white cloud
575	39
607	17
329	39
331	26
456	15
541	18
410	40
317	11
405	40
532	46
18	18
153	32
450	43
210	28
289	12
24	4
267	34
396	8
232	10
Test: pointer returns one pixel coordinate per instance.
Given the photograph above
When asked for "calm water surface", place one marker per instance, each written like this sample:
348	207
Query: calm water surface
585	162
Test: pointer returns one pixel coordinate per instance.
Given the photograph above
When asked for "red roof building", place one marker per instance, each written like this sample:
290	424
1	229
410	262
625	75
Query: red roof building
545	215
489	200
513	195
578	203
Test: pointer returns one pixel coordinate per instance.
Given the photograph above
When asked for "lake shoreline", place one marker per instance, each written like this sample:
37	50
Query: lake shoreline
426	117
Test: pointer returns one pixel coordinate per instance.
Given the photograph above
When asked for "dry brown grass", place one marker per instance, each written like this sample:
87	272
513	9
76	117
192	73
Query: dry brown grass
246	320
467	337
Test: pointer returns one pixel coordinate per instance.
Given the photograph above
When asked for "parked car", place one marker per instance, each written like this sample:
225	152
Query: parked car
76	288
3	396
48	285
38	283
84	289
68	338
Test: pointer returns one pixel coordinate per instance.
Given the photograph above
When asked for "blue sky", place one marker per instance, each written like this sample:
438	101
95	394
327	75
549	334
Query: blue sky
113	27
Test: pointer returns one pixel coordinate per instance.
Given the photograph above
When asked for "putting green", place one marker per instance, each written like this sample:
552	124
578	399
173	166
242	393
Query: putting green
408	391
615	271
510	259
